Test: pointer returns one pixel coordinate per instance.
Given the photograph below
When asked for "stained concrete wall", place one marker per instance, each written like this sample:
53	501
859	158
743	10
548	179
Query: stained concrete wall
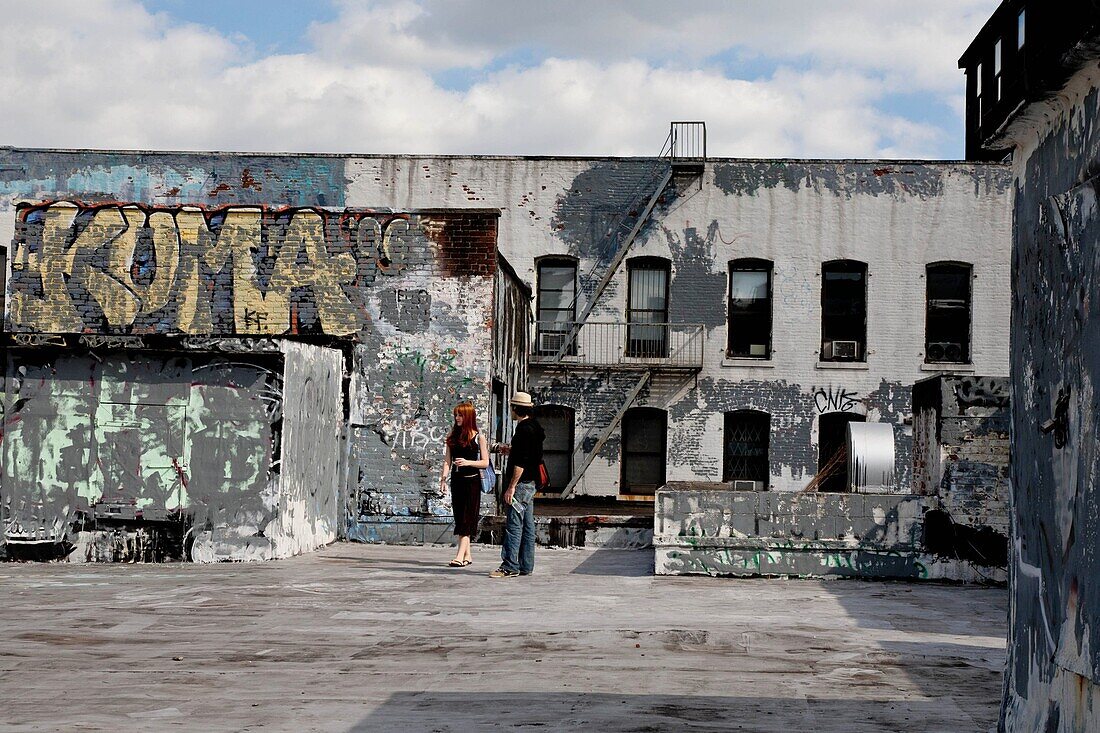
1053	676
706	529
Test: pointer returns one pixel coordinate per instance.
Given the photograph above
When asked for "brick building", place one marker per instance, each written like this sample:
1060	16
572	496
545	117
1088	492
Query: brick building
695	319
247	371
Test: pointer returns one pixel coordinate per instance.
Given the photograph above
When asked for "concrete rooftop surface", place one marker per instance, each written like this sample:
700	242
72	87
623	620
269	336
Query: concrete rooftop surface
383	638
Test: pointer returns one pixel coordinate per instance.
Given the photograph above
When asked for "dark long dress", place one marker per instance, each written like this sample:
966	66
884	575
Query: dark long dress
466	490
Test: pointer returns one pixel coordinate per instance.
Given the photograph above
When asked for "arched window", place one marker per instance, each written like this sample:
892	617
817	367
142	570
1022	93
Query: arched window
745	457
832	452
750	309
643	452
556	304
948	313
844	311
647	307
558	423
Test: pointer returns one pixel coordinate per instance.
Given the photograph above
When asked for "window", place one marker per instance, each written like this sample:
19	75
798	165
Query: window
843	311
997	70
557	304
643	457
978	90
557	449
832	449
1020	23
750	309
647	308
947	315
746	448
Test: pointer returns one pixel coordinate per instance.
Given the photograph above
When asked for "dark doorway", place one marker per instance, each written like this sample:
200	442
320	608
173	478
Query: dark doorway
644	448
832	458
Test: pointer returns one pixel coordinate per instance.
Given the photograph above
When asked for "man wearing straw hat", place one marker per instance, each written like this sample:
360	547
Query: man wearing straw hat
517	556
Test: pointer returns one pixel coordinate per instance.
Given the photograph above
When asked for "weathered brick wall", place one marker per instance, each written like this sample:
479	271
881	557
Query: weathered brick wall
961	457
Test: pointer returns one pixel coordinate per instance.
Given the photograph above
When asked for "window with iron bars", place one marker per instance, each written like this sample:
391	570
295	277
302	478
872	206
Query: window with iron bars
747	435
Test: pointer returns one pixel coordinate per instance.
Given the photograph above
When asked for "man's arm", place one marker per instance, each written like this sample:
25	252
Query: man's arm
517	471
521	446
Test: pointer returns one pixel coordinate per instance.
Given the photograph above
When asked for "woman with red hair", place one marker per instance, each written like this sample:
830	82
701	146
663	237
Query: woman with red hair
465	453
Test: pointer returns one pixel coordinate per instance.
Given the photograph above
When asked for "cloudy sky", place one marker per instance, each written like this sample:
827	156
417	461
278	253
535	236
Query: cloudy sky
772	78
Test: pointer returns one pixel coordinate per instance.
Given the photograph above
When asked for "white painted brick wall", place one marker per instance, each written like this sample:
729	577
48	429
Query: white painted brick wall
896	233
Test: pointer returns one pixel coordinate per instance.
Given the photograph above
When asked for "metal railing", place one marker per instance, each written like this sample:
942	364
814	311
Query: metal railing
617	344
688	142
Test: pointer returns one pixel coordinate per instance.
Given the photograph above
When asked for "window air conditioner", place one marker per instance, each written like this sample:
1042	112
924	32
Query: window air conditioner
551	342
746	485
840	350
945	351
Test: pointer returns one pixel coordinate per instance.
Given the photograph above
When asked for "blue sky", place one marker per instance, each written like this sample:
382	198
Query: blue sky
271	26
772	78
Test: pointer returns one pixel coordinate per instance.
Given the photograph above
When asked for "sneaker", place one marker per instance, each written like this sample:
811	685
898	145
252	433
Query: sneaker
502	573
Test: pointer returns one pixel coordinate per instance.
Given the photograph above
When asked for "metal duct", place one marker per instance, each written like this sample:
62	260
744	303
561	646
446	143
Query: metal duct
871	457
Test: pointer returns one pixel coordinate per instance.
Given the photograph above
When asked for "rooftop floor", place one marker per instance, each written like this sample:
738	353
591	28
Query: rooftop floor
377	638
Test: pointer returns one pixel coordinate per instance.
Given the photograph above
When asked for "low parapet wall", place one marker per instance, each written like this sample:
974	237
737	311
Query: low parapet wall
714	531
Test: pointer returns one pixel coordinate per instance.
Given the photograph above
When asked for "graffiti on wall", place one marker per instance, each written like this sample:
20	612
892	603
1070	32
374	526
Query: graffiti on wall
835	399
132	268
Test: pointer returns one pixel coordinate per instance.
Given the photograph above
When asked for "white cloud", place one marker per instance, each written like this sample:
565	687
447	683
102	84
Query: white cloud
107	74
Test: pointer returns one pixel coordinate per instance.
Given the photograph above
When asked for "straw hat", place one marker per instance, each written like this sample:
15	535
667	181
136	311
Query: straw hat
521	399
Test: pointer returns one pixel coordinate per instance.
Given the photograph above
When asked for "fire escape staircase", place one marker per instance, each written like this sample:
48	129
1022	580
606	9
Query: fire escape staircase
684	152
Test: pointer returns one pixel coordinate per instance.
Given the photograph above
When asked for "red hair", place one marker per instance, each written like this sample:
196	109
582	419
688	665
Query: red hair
463	436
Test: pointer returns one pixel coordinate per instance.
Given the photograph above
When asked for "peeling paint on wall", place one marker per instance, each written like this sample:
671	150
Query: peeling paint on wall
1053	673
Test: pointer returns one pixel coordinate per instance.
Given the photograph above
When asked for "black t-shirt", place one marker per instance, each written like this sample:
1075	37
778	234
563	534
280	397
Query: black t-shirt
526	449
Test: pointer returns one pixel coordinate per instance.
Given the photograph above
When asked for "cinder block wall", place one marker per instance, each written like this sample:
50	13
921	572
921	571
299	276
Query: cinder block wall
703	529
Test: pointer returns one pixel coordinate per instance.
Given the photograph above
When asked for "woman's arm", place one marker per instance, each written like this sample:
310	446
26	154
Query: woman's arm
446	469
483	462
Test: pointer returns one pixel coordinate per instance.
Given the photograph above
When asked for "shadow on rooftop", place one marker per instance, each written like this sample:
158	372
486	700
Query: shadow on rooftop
621	563
443	712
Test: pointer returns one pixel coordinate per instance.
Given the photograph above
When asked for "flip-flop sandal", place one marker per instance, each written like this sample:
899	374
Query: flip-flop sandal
456	564
466	562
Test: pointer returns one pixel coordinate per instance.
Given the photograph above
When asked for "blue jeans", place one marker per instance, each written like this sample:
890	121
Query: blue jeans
518	552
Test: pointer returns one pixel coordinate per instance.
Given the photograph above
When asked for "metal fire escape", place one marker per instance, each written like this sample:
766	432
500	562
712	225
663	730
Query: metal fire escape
643	349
